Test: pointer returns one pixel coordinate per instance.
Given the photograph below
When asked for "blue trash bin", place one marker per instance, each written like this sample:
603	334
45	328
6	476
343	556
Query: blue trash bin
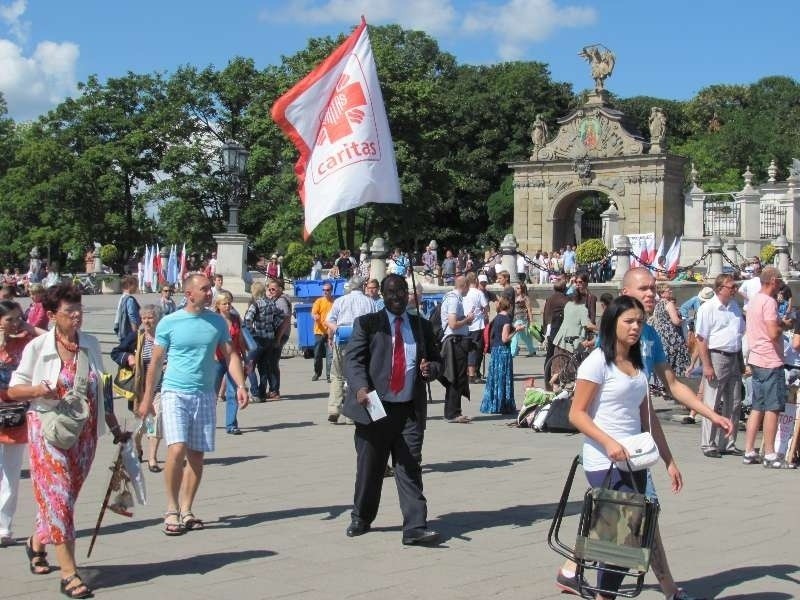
305	325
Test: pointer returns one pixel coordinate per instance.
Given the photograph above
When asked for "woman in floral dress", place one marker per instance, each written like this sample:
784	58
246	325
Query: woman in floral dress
45	374
667	322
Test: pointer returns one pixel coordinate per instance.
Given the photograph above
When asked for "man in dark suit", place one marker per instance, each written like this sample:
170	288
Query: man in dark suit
387	355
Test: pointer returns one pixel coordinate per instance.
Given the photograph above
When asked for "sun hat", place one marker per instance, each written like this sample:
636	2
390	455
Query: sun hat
706	294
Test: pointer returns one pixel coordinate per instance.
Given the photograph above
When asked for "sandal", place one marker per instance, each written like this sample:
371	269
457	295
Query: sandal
460	419
37	560
154	468
73	592
190	522
173	529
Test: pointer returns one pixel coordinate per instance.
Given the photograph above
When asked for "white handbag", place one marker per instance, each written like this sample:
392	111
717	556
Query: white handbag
641	448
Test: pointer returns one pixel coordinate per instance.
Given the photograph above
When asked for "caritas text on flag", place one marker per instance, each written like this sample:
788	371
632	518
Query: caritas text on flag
336	118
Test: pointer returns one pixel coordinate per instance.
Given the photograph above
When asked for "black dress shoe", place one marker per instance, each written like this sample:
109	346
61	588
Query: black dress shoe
712	453
357	527
388	472
734	451
422	538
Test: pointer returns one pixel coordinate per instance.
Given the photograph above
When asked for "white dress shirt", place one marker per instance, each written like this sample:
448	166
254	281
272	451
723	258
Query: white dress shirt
722	327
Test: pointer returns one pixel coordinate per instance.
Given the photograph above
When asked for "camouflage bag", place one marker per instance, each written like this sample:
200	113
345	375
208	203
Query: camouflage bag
617	528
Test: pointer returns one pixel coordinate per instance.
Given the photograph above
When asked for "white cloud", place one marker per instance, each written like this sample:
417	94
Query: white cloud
511	25
11	15
519	23
433	17
32	84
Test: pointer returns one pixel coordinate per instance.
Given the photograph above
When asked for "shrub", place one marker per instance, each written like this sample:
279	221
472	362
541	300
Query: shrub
298	260
767	254
109	254
590	251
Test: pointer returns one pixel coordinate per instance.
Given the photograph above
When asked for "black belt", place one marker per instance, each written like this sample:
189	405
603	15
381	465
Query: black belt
723	352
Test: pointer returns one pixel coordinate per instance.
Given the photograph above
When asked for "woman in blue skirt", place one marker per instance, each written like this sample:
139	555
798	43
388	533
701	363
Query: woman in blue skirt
498	396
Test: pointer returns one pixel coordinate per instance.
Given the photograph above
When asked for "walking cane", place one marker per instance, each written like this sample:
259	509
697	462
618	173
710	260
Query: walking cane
112	485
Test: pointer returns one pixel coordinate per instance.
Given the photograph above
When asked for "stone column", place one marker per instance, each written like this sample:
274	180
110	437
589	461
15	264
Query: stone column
508	248
750	217
622	250
231	261
693	241
610	219
377	259
731	251
782	254
792	218
578	225
715	266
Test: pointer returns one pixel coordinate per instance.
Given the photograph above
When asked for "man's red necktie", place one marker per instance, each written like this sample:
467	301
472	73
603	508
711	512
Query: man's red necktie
398	378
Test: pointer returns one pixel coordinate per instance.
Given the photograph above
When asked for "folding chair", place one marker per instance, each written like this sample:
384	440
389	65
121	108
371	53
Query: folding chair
615	535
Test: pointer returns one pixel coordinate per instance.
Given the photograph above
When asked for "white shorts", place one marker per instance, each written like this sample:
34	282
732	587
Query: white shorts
189	418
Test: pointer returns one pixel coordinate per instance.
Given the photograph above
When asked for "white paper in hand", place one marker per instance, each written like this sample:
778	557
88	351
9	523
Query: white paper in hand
375	407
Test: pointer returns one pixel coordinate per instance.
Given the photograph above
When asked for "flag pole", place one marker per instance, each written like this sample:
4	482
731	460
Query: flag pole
420	332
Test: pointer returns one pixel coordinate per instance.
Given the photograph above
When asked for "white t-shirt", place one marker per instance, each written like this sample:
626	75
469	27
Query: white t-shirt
476	299
749	289
453	304
615	409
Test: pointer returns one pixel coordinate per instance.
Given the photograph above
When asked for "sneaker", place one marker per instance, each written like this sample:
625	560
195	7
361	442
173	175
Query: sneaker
751	458
773	461
568	585
682	595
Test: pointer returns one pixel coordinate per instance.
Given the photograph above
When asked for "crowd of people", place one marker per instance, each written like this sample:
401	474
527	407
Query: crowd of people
380	353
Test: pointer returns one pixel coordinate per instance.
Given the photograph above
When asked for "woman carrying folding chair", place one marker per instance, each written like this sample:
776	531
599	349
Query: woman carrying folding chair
611	404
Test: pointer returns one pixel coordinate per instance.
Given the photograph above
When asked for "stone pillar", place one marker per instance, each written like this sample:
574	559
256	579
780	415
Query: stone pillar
623	252
715	266
731	251
782	254
578	225
231	261
508	248
610	220
792	218
693	241
377	259
98	263
750	217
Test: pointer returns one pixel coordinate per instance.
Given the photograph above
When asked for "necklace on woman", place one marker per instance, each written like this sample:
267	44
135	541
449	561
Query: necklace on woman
66	344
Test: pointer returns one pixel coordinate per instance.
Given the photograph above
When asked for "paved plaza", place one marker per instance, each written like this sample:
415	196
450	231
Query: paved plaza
276	502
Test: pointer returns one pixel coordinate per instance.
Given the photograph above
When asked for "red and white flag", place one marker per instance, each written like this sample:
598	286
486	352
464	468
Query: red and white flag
336	118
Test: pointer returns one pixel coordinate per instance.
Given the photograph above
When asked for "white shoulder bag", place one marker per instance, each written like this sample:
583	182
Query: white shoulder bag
641	448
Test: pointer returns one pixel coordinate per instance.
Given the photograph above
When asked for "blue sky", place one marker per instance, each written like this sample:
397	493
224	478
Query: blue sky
664	49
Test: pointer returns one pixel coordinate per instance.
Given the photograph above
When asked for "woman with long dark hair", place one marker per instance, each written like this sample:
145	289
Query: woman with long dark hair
611	403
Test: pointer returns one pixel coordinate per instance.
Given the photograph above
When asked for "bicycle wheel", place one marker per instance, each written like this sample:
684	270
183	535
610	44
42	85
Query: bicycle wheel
568	375
555	365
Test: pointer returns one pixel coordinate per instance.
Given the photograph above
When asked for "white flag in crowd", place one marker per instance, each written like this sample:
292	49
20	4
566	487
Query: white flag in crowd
336	118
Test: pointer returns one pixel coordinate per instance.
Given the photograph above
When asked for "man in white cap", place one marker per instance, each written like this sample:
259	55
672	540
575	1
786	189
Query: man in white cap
719	327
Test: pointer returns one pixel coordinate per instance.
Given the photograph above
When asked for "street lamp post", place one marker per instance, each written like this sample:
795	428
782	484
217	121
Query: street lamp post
232	245
234	163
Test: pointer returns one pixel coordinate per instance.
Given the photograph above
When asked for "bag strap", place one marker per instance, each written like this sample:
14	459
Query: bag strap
81	382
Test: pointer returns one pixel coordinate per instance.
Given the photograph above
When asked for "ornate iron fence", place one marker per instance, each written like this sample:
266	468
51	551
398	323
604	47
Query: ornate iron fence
721	217
591	228
773	221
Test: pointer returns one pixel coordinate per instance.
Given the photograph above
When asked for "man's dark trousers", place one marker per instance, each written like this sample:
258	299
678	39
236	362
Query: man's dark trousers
400	435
